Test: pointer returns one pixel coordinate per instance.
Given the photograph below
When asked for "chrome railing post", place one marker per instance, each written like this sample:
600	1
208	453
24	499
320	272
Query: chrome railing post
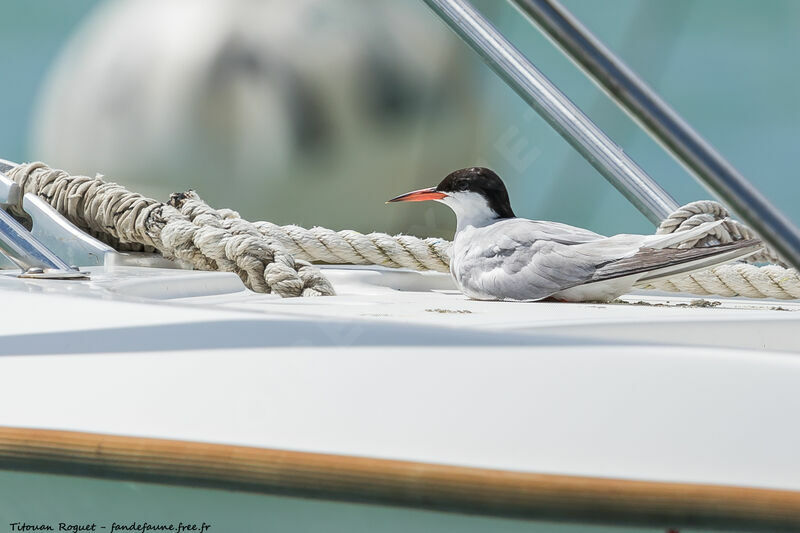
564	116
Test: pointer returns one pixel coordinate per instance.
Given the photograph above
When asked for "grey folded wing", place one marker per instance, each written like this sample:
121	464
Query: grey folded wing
531	260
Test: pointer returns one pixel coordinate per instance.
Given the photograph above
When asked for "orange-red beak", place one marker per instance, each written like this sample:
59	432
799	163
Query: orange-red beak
419	196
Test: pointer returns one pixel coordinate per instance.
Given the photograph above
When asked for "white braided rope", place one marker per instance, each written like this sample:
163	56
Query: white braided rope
269	257
738	279
128	218
351	247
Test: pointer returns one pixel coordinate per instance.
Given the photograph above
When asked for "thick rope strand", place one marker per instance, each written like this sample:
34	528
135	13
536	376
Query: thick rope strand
129	218
352	247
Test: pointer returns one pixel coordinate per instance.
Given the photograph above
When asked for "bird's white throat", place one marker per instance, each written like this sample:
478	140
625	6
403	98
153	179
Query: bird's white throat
471	209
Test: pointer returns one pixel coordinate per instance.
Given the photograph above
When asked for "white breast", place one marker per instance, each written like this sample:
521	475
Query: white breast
469	264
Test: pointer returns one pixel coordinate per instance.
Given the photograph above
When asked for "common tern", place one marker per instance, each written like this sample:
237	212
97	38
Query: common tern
499	256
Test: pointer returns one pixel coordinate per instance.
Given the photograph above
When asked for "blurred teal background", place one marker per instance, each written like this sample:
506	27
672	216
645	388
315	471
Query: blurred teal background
730	67
31	36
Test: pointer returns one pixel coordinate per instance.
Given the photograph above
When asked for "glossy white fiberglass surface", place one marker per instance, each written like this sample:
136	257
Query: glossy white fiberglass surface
418	374
374	306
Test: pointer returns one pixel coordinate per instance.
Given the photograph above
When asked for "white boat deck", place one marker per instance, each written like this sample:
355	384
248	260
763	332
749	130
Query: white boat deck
400	365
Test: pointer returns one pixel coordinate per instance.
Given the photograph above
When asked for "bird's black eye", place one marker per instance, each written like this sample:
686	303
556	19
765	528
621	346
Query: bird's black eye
462	186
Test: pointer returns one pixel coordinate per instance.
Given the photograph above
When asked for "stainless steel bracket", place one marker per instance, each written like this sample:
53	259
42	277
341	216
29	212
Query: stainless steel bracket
25	250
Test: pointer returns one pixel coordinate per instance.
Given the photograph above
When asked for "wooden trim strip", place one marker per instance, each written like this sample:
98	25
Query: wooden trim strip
400	483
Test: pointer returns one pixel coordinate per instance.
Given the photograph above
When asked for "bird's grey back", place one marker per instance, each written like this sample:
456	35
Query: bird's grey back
529	260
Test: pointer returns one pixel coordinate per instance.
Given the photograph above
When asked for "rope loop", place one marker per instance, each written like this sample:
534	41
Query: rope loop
695	213
737	279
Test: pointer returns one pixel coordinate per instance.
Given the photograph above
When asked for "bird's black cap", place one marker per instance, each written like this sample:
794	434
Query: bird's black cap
482	181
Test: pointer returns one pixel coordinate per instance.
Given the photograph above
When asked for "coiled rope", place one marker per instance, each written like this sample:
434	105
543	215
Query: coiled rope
272	258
